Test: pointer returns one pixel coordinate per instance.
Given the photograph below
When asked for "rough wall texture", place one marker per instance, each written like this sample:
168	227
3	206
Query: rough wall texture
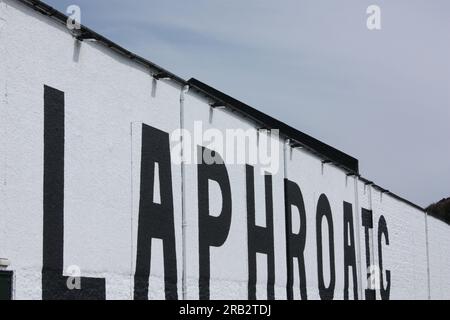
141	225
439	239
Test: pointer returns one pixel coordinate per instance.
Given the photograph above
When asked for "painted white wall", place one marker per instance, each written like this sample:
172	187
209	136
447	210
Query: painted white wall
108	98
439	249
406	255
314	179
100	110
229	268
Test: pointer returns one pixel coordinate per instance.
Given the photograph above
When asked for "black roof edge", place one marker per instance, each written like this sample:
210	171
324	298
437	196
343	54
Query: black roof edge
86	33
382	190
325	151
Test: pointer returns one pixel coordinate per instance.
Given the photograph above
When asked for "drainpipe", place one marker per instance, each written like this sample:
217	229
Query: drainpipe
184	91
285	155
358	238
428	256
372	242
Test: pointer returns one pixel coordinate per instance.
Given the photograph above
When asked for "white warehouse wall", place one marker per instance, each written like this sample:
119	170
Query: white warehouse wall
228	264
439	248
314	180
132	216
99	114
406	255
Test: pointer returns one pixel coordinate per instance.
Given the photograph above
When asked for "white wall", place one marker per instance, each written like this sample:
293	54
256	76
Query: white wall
314	180
100	110
406	255
439	248
229	269
108	99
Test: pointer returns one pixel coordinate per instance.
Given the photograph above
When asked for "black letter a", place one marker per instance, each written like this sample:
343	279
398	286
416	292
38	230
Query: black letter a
155	220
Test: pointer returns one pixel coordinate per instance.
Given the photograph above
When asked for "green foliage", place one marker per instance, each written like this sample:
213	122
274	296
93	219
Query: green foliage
440	210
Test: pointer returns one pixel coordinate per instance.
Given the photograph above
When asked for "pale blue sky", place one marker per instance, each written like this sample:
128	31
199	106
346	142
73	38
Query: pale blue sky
381	96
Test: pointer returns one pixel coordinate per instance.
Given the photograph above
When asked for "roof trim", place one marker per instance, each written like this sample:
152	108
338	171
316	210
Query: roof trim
327	152
395	196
